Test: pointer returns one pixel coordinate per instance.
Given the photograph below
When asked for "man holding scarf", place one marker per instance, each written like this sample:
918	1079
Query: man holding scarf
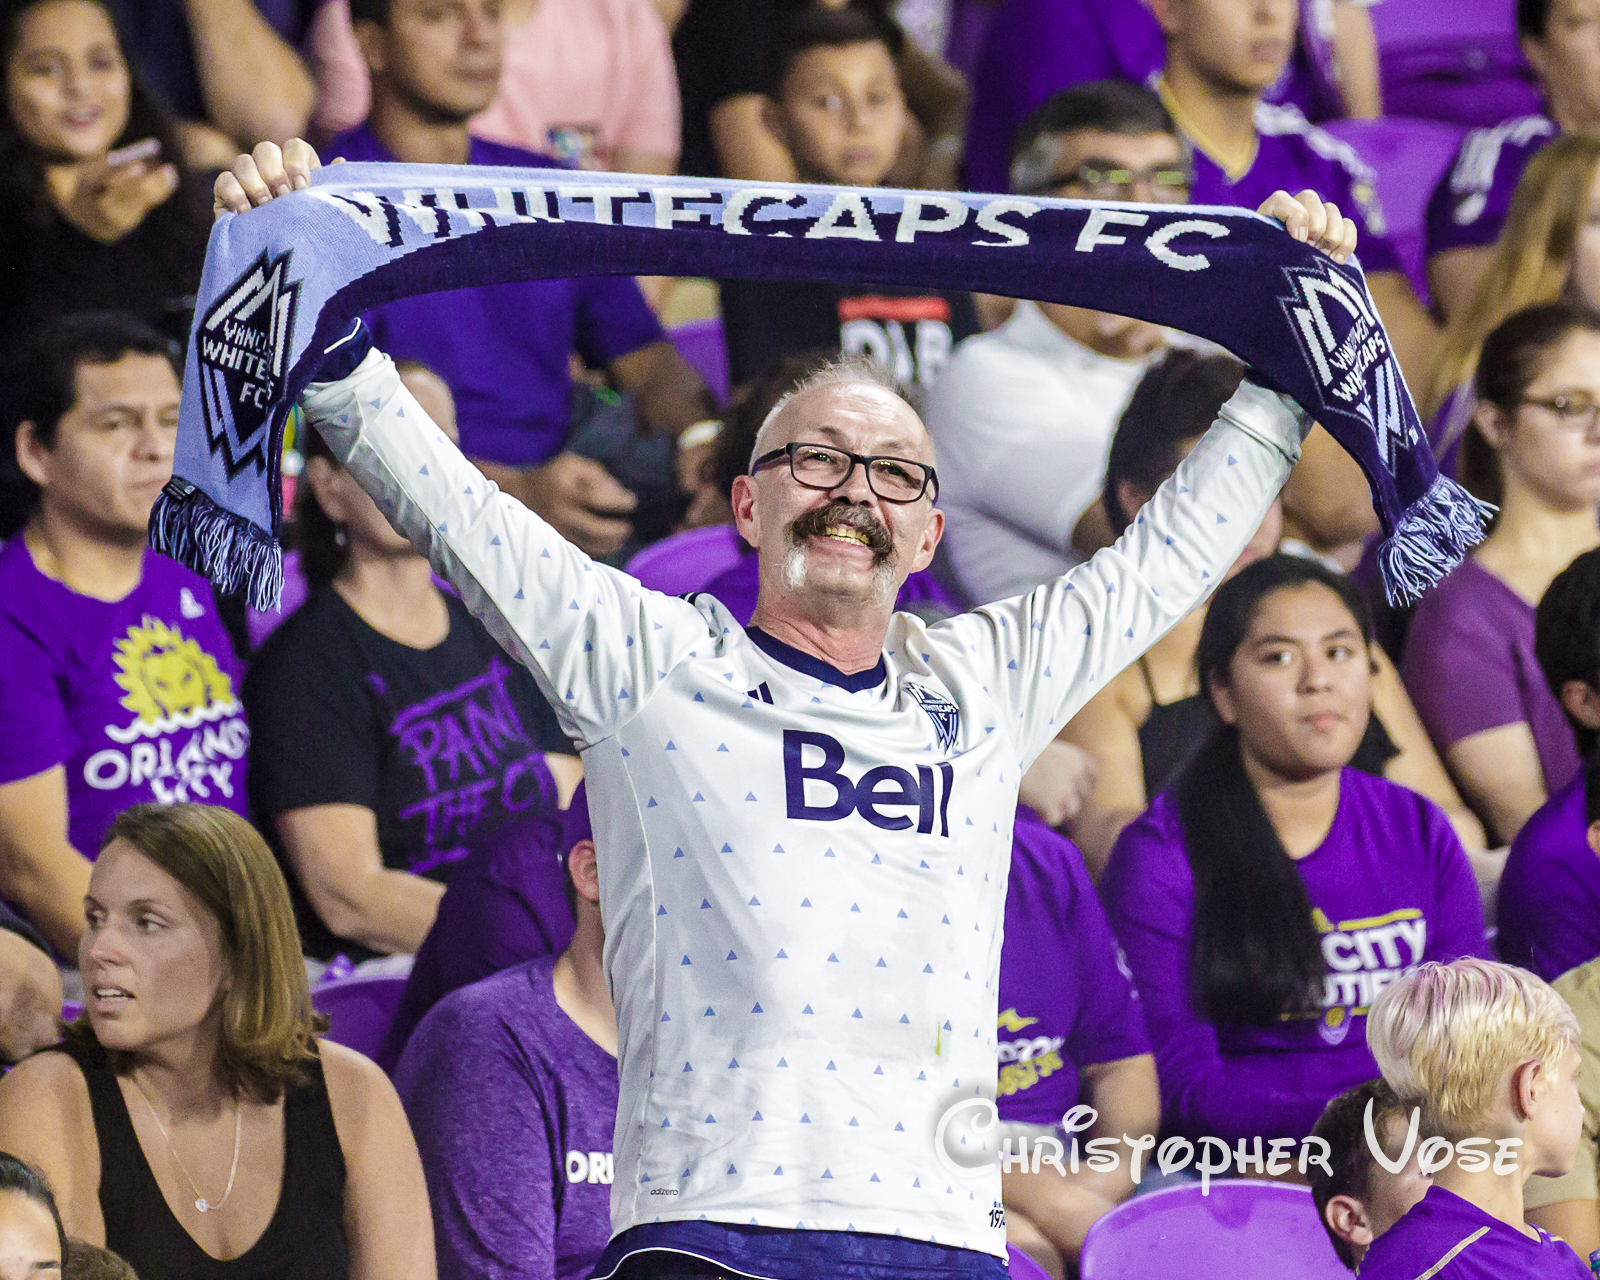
802	859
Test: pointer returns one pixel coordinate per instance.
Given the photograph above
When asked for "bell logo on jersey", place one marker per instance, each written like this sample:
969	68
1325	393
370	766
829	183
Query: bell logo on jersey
886	795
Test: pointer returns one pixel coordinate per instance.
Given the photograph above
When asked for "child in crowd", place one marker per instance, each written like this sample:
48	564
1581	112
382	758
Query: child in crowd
836	103
98	209
1272	892
87	1261
1490	1055
1071	1031
1361	1199
1469	662
1550	893
1569	1206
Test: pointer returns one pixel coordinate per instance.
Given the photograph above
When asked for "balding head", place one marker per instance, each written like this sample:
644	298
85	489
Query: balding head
836	557
860	386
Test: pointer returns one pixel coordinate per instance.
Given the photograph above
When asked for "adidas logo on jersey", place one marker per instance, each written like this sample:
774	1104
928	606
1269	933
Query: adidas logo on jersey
884	795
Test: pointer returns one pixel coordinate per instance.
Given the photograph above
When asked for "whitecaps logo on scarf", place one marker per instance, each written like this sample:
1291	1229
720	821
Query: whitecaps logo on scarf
244	342
1345	345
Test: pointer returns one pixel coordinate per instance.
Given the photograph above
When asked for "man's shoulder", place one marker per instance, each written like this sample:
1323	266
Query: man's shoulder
19	584
1285	132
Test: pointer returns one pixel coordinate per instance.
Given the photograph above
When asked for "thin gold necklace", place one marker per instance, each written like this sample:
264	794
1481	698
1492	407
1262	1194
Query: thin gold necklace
200	1202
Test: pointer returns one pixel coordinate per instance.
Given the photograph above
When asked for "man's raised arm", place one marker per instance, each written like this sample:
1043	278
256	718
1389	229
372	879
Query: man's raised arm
596	641
1056	647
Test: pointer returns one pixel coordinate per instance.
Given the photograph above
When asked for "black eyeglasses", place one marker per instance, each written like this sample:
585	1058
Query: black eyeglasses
1579	413
1166	183
821	466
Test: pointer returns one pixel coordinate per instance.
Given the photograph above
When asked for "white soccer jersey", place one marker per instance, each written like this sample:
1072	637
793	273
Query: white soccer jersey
803	875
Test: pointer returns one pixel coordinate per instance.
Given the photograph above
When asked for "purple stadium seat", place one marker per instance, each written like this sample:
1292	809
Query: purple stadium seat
687	561
359	1009
701	344
1410	157
1022	1267
1455	60
1242	1230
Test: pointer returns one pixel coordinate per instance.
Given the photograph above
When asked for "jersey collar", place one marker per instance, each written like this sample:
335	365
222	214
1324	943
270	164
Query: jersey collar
816	667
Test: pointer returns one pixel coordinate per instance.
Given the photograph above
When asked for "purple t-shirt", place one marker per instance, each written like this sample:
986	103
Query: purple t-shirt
736	589
1293	155
1470	204
1550	891
1445	1237
1390	887
506	904
1066	998
137	698
1469	667
513	1108
503	348
1034	48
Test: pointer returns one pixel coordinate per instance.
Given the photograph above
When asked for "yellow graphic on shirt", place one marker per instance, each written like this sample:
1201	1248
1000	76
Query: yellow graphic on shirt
1010	1021
167	677
187	733
1024	1062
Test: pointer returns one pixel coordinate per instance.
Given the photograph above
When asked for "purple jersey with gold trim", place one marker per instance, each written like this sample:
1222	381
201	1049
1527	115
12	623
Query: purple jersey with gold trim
1293	155
1444	1237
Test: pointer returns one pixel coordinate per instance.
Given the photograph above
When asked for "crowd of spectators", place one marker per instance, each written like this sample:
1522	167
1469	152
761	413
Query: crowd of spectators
1297	797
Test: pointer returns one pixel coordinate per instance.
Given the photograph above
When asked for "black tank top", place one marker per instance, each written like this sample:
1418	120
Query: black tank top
1174	731
305	1238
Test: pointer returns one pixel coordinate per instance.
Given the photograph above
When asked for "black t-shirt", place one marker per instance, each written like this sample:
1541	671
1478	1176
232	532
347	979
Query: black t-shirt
911	331
442	744
720	49
55	269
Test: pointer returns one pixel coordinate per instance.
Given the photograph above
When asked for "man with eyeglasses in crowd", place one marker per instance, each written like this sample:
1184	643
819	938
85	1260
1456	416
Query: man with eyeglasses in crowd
1050	384
798	822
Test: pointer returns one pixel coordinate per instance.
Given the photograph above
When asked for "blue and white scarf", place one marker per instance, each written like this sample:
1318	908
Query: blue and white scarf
285	280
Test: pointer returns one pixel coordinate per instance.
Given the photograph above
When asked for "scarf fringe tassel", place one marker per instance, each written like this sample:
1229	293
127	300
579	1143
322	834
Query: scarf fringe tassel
1432	537
219	545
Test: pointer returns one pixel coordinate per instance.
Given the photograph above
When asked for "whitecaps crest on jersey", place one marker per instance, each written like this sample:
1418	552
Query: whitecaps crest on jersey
946	716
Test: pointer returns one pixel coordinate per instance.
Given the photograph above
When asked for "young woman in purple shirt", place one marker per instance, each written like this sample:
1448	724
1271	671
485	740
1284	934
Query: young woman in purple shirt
1469	662
1272	892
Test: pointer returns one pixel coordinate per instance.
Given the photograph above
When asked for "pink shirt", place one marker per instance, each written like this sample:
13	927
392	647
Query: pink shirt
581	79
585	78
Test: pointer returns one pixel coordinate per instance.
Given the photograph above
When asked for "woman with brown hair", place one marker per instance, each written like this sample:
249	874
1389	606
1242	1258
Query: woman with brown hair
1549	251
192	1121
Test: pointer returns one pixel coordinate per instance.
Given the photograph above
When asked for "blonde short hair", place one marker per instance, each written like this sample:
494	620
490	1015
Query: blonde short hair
1448	1036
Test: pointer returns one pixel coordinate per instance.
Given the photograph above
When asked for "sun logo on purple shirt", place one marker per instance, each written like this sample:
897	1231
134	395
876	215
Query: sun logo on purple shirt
166	676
